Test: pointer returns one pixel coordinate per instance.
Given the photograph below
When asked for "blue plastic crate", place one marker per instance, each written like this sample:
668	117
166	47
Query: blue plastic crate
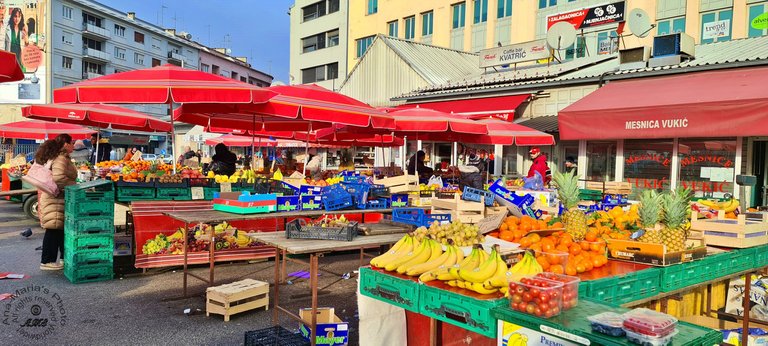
615	199
359	192
476	195
378	191
310	190
355	179
311	202
339	203
349	173
417	217
288	203
379	203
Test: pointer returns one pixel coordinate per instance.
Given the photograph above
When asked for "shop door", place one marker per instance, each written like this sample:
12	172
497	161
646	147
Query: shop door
759	167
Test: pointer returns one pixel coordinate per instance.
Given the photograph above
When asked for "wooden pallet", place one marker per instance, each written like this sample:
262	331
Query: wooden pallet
610	187
236	297
460	210
400	184
736	233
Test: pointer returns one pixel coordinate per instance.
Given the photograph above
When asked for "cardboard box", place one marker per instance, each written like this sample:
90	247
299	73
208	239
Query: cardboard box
654	254
733	338
331	330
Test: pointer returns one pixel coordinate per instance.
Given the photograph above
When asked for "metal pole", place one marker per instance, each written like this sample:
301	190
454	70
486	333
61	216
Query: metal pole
173	135
253	139
96	152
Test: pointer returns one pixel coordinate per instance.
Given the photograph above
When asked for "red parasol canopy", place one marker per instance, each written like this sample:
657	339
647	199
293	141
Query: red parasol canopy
34	129
161	84
97	115
506	133
233	140
10	71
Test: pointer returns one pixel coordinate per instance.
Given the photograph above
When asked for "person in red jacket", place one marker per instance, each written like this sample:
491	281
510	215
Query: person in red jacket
539	165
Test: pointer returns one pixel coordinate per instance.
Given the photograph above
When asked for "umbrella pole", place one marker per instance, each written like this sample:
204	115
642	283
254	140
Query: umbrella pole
253	139
96	152
306	149
173	136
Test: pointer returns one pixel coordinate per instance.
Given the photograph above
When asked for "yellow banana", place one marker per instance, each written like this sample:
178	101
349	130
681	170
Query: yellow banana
484	271
459	253
461	284
404	248
499	278
472	263
526	267
419	255
478	287
451	283
733	205
432	263
399	243
708	203
504	290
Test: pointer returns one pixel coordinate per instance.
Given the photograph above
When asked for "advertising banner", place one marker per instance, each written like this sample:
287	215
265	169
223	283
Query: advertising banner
512	54
715	29
591	16
22	32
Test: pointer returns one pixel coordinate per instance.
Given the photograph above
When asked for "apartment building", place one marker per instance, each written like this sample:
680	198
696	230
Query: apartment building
218	62
318	43
473	25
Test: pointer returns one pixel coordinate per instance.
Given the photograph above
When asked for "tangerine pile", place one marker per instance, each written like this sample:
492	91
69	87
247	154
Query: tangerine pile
558	253
513	229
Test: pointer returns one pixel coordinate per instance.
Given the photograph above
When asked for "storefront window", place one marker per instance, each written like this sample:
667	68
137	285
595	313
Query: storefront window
570	152
707	166
509	160
601	161
443	154
648	164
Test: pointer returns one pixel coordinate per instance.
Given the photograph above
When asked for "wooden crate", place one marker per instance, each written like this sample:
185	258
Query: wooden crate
236	297
400	184
736	233
610	187
460	210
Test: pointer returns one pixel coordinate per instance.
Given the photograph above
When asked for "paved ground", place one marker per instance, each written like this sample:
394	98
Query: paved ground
145	309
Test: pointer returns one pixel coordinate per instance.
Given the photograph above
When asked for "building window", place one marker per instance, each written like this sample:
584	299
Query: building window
156	43
156	62
138	37
320	73
670	26
205	68
392	28
90	67
481	11
313	43
504	9
243	79
373	6
215	69
333	6
713	175
576	50
333	38
313	11
459	15
138	59
363	44
547	3
66	38
119	30
410	27
607	42
716	26
601	161
119	53
647	164
757	27
92	44
333	71
426	23
66	11
66	62
91	19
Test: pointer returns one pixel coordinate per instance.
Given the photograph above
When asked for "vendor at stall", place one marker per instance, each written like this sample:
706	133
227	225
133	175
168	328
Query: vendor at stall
223	162
539	165
80	152
313	166
416	163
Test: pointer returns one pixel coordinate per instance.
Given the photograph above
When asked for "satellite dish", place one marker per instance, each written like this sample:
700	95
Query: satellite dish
561	36
640	23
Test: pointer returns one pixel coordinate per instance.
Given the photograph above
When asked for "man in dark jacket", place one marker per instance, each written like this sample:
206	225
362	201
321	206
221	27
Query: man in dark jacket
539	165
223	162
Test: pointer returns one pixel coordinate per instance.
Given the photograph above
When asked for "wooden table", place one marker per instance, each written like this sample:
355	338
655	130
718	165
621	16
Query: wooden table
315	249
193	217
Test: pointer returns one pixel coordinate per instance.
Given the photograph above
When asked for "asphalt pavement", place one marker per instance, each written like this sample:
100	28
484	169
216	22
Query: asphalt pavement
147	308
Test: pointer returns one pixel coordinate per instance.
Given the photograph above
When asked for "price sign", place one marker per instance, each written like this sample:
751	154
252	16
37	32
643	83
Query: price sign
197	193
226	187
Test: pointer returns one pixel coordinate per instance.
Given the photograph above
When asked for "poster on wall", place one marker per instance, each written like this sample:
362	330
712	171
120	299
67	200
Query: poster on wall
22	32
591	16
720	28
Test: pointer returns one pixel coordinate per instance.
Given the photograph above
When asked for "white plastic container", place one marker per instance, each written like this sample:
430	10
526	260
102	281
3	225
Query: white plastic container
646	340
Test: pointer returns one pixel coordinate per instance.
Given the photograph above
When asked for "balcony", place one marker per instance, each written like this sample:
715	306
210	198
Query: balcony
89	75
97	32
96	55
175	56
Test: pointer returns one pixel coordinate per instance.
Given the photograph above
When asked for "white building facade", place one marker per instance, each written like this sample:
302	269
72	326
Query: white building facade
319	42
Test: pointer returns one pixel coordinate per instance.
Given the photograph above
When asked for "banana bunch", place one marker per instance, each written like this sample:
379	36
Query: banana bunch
403	247
528	266
179	234
242	239
451	256
450	273
726	206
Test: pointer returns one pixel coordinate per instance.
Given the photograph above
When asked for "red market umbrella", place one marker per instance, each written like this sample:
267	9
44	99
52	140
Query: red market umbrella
10	71
506	133
97	115
232	140
35	129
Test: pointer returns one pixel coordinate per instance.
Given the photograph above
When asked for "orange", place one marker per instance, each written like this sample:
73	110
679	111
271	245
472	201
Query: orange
584	246
554	258
503	227
591	236
557	269
543	262
535	247
535	238
562	248
580	268
575	249
512	219
525	227
525	242
596	262
570	269
547	244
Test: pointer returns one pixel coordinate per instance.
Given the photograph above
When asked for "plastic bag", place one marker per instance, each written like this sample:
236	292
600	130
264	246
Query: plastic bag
435	180
535	182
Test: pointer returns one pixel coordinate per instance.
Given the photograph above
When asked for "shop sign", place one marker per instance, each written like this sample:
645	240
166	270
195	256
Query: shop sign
591	16
694	185
512	54
656	124
716	159
716	29
760	22
663	160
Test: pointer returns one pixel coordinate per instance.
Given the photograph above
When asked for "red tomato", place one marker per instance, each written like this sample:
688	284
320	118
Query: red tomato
531	309
527	297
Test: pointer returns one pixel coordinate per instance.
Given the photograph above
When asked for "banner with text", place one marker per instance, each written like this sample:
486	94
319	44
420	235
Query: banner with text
22	32
512	54
591	16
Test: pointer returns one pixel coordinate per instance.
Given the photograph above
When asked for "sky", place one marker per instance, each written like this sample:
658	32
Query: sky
257	29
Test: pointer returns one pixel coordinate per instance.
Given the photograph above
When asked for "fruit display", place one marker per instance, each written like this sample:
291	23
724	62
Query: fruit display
458	233
582	256
710	208
649	322
167	178
199	238
664	218
574	219
615	223
133	171
330	221
536	296
17	171
513	229
609	323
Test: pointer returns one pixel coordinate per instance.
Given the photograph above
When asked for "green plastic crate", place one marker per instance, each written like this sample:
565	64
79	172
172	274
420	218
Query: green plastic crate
208	192
89	242
388	288
88	274
94	191
622	289
90	209
127	194
743	259
174	193
685	274
74	227
88	258
460	310
761	255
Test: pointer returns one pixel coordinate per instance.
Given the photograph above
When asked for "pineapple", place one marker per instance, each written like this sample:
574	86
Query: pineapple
575	219
649	214
676	207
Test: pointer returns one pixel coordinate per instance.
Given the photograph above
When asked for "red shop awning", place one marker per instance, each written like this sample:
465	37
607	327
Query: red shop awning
502	107
722	103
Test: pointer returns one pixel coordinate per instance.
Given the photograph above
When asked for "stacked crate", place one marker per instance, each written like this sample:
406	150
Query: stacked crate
89	231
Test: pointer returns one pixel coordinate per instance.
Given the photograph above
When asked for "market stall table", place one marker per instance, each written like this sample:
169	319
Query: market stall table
315	249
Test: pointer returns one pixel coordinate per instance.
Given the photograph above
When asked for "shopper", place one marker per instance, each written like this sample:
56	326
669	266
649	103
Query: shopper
570	164
80	152
187	155
539	165
223	162
51	207
416	163
314	165
129	154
